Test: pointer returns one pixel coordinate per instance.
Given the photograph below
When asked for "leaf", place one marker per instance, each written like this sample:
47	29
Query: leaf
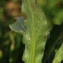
35	35
59	55
18	25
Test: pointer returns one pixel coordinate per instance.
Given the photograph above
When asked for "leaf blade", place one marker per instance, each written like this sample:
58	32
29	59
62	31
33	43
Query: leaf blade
59	55
37	20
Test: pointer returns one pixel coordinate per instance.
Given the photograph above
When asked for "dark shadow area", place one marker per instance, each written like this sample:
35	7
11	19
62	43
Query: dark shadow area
53	43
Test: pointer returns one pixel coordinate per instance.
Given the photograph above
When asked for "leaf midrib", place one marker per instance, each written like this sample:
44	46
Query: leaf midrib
33	45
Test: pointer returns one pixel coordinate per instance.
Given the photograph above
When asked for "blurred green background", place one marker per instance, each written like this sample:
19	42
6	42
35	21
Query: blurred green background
11	46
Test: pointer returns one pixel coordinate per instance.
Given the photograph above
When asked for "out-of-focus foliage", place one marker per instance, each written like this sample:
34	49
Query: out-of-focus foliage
11	46
53	10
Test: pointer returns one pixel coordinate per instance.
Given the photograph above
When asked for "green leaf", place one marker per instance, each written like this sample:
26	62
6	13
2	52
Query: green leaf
59	55
35	35
18	26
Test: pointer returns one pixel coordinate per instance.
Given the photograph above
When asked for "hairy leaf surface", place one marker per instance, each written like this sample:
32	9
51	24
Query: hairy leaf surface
35	36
